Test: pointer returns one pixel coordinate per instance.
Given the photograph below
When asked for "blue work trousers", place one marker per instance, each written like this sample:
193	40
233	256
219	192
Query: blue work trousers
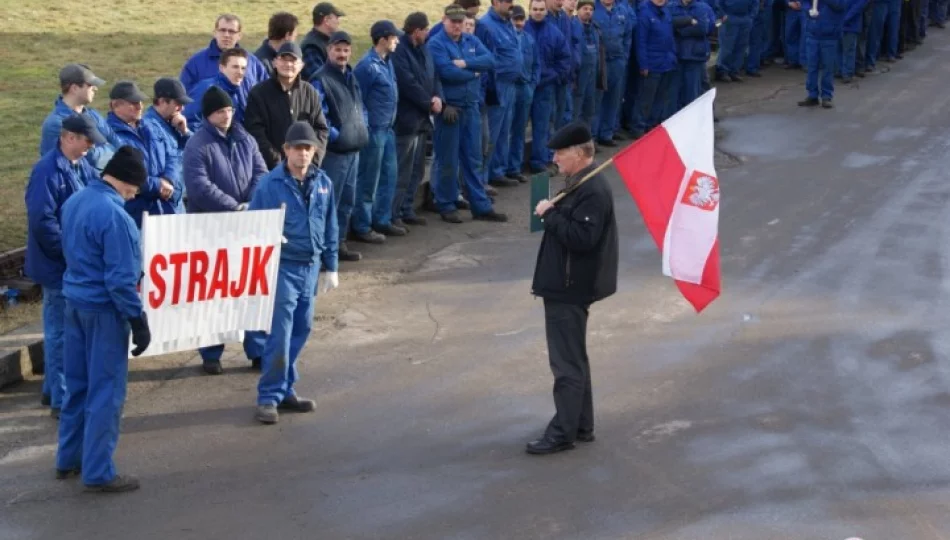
499	122
568	116
652	102
758	42
458	147
376	181
849	48
524	95
54	383
411	155
96	367
561	95
608	101
542	109
343	170
733	41
690	81
820	55
937	11
253	348
585	93
294	300
794	42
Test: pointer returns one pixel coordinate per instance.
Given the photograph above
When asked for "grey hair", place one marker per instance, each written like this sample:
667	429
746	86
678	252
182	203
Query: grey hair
586	149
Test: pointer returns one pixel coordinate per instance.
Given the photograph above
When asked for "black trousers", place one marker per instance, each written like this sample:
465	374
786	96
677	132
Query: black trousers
566	330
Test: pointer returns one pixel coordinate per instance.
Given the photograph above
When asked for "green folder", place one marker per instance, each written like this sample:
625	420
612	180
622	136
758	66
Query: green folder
540	189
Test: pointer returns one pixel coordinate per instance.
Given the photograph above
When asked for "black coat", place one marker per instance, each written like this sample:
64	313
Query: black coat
270	112
417	83
579	254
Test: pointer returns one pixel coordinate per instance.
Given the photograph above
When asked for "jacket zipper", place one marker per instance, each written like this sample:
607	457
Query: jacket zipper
567	277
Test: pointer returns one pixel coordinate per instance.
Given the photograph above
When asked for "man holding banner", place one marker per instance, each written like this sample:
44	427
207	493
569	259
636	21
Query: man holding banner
311	230
103	265
577	266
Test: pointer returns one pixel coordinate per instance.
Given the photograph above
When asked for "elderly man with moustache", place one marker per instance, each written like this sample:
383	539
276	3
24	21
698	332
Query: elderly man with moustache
577	266
278	102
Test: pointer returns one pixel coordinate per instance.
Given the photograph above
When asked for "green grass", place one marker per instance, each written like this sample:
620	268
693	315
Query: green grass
133	39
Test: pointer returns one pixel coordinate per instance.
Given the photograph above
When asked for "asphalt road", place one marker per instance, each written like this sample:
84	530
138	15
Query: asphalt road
809	402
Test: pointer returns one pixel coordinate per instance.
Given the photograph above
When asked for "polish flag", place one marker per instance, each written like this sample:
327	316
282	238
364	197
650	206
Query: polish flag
672	178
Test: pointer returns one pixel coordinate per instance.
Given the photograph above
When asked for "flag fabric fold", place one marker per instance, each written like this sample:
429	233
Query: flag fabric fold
671	175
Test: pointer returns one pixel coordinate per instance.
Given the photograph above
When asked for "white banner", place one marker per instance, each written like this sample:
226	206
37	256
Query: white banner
209	277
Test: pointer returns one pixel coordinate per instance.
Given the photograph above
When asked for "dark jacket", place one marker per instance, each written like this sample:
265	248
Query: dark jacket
417	83
579	253
53	180
266	54
343	108
271	111
221	172
314	47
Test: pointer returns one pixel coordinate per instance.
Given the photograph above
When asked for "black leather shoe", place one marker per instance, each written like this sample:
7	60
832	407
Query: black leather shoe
462	204
390	230
212	368
68	473
585	437
491	215
503	181
827	104
735	78
45	400
415	220
346	255
809	102
369	237
606	142
297	404
517	176
256	364
544	446
451	217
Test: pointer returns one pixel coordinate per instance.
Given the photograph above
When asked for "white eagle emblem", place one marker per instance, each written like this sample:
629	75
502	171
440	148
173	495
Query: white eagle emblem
702	191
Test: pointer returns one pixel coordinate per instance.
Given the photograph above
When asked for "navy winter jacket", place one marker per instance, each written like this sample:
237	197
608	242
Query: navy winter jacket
103	252
53	180
161	161
204	65
554	54
692	42
616	28
417	83
460	86
377	80
827	26
310	221
221	172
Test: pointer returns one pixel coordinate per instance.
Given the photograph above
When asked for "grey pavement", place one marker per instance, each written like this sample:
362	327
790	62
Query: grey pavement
809	402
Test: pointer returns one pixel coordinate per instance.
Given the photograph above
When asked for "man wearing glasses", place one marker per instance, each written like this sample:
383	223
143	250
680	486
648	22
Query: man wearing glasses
204	63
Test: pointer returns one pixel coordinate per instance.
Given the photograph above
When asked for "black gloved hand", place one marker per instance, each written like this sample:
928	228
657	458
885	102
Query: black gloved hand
450	114
141	335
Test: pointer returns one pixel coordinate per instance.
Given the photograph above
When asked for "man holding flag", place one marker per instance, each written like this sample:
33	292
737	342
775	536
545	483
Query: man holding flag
577	266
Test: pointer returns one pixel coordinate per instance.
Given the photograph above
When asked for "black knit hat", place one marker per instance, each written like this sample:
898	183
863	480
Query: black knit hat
214	100
127	165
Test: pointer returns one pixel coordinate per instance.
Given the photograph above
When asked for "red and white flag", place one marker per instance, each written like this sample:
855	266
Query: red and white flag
672	178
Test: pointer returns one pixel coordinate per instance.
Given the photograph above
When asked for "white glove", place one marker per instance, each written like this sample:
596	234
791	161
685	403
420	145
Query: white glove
241	207
330	281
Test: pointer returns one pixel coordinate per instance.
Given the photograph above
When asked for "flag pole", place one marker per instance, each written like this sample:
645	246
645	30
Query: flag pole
586	177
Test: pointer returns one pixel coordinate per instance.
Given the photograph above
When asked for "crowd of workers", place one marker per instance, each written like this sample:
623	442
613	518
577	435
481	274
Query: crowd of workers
345	148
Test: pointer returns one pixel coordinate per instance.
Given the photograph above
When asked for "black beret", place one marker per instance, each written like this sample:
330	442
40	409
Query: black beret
572	134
